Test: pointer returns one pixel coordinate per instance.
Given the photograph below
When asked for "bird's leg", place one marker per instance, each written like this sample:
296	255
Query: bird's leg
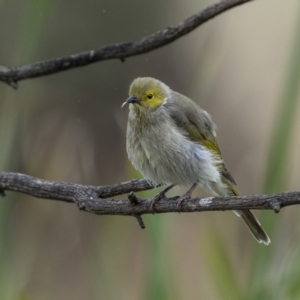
160	196
186	196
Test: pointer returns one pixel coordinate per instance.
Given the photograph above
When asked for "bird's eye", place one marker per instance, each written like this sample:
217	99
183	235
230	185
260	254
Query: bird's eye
150	96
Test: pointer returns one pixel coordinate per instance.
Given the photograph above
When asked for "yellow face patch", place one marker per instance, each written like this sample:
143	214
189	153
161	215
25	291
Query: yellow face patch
153	98
150	92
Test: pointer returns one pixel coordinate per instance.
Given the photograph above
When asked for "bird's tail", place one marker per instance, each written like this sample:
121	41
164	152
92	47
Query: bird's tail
251	221
254	226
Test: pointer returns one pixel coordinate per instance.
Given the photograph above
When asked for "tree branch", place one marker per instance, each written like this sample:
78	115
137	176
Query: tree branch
93	198
121	51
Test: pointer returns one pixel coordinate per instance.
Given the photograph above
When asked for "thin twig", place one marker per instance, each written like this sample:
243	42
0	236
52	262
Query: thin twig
120	51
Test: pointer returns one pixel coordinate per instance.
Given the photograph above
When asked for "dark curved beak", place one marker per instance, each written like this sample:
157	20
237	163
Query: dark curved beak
131	99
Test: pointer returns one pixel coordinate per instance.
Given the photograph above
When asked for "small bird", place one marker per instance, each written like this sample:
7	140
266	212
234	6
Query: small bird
172	141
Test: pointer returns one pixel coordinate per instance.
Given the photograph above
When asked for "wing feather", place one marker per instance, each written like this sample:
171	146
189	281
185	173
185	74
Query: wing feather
198	127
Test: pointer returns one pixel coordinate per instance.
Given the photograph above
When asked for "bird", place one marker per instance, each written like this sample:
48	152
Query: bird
172	141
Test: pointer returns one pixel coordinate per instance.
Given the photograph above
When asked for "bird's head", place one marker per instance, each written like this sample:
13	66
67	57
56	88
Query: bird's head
147	93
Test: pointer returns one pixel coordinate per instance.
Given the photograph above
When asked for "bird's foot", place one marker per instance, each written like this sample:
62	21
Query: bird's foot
159	196
156	198
181	199
186	196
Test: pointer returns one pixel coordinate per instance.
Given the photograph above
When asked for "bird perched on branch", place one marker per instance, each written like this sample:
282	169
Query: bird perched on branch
172	141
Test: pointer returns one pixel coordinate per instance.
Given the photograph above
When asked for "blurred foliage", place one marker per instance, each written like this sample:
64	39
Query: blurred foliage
277	173
70	127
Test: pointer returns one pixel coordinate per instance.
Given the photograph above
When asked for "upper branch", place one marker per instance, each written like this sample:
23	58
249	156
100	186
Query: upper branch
92	198
119	50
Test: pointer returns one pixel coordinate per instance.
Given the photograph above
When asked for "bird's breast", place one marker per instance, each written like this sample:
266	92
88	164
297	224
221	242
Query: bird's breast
163	154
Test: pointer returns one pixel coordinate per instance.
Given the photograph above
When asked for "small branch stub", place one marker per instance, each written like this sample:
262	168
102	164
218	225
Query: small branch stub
140	221
81	206
13	84
133	198
2	193
275	205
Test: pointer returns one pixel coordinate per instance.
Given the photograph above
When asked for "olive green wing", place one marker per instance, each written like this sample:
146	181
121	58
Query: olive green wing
196	124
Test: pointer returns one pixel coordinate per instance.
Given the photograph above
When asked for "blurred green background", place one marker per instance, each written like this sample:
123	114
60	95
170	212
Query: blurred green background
243	67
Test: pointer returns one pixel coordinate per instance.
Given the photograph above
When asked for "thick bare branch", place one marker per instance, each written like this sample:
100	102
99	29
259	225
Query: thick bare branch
119	50
93	198
67	192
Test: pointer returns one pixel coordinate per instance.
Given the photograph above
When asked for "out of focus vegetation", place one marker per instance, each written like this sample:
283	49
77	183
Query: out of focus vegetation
243	67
